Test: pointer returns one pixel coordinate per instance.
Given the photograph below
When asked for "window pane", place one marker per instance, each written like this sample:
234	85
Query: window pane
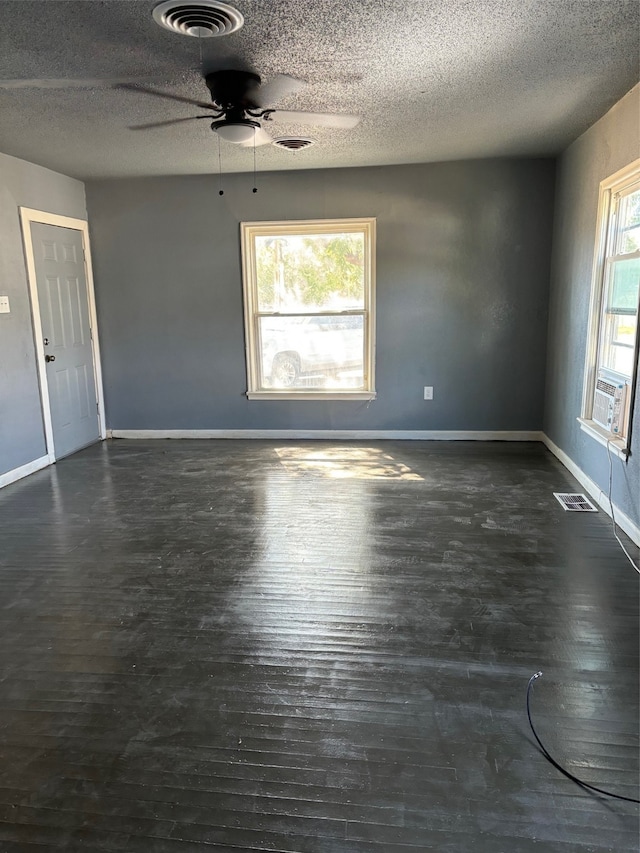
313	352
630	240
631	209
310	273
629	224
625	282
620	336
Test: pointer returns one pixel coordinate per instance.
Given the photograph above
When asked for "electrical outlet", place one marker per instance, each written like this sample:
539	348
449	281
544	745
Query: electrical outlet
4	305
428	392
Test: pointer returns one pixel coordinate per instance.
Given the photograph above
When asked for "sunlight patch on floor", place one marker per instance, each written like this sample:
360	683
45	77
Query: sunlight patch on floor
357	463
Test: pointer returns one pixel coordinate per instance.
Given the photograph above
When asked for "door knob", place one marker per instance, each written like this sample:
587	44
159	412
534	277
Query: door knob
49	358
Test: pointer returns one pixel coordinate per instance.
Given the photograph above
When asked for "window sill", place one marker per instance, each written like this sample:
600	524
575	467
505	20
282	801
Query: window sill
311	395
618	446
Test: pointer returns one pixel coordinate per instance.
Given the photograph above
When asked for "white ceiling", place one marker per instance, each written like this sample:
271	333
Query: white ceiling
432	79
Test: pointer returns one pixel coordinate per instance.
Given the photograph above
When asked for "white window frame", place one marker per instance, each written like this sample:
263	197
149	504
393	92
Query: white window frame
249	231
610	190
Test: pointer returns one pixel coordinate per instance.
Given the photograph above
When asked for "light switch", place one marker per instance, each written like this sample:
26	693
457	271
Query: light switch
4	305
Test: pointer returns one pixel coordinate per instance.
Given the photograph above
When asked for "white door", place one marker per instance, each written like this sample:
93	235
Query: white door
66	336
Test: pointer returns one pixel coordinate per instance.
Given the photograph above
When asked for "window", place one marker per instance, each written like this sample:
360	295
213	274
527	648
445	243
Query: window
612	354
309	309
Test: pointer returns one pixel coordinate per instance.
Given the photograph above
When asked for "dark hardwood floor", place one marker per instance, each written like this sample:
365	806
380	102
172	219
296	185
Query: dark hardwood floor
313	648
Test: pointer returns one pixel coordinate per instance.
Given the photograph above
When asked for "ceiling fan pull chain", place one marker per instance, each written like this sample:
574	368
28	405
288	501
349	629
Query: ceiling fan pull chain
255	188
220	191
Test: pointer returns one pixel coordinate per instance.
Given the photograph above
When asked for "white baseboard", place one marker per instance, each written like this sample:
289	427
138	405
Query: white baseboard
600	497
24	471
335	434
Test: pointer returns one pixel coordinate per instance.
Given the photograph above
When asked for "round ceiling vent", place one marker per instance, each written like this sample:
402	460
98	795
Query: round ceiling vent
202	18
293	143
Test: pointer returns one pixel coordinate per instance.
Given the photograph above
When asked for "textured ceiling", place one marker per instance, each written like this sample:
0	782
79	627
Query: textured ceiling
432	79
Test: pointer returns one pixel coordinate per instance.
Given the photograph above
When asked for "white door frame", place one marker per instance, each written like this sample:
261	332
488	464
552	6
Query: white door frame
27	216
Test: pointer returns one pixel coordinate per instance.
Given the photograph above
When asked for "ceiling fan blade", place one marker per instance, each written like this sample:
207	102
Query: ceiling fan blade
276	89
318	119
88	83
145	90
167	123
261	137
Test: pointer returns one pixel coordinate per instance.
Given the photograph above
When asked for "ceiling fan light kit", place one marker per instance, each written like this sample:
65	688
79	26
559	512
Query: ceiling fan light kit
200	19
240	132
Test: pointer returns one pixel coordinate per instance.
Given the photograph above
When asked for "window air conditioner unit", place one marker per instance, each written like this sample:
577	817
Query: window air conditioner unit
609	403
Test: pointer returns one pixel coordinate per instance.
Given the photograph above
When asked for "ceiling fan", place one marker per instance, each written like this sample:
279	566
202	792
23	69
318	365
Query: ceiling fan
239	105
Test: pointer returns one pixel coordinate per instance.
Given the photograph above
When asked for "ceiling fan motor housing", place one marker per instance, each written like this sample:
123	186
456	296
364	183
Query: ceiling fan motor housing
231	89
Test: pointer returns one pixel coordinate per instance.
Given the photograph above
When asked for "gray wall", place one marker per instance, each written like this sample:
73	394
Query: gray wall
24	185
611	144
462	287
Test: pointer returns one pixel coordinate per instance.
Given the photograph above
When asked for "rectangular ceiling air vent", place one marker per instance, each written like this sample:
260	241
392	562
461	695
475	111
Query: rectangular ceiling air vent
574	503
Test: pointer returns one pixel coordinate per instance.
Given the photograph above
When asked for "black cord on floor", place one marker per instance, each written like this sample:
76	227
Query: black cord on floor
555	763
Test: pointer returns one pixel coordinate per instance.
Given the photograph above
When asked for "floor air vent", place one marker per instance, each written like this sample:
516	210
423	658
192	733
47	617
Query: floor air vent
574	503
